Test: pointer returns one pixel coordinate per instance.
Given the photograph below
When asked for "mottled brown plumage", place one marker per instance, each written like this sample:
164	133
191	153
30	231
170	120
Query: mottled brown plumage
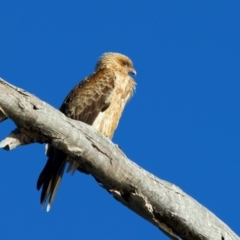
99	101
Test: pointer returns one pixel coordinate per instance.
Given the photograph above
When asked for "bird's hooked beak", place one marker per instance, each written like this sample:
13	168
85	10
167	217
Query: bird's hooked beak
132	71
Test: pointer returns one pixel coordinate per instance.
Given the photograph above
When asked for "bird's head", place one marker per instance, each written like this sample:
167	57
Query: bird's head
116	61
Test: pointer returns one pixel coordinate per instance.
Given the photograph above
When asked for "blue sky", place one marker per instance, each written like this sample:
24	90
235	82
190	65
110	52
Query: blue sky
182	123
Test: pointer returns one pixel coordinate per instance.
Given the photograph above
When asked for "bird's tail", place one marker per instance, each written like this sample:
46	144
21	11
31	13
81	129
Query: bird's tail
51	175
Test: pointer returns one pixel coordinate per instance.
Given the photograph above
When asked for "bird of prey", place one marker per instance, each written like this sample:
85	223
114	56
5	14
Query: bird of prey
99	101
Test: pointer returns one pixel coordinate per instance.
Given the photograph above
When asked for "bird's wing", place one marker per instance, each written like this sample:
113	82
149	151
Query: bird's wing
90	97
83	103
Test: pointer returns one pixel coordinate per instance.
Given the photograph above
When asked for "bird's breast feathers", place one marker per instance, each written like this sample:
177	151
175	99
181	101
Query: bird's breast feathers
106	122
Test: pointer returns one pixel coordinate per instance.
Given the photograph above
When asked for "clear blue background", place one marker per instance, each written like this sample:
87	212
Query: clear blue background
182	124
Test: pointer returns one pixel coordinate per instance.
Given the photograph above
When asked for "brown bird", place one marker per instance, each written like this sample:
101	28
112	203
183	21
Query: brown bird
99	101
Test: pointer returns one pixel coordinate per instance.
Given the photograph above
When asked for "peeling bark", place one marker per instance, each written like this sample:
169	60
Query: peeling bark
163	204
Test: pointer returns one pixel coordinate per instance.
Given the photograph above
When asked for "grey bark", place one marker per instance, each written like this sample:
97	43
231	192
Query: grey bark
163	204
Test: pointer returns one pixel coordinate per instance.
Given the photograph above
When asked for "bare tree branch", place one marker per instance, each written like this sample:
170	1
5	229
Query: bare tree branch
163	204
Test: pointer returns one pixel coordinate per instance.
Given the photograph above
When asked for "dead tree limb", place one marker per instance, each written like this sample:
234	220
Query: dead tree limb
163	204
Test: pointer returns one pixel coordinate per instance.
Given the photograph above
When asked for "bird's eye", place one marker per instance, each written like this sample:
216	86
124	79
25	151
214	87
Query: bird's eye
124	63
